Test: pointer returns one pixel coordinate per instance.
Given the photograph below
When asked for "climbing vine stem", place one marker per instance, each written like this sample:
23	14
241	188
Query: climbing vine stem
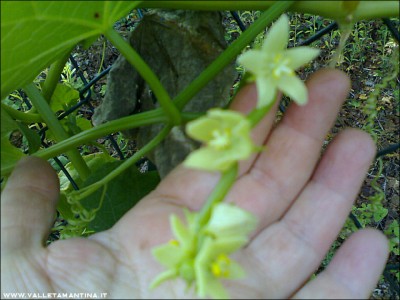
147	74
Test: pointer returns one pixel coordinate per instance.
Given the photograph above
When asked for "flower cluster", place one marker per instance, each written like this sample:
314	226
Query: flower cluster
200	254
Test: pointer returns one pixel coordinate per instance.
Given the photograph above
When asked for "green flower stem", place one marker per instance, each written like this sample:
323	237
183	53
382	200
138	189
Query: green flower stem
257	114
53	76
218	194
86	191
345	31
24	117
55	126
232	51
147	74
329	9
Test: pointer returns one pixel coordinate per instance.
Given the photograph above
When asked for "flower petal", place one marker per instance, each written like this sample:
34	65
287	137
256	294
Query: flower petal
238	152
201	267
229	118
242	138
295	88
244	148
216	290
180	231
168	254
201	128
277	36
236	271
242	128
208	159
300	56
230	220
252	61
266	89
228	244
207	283
166	275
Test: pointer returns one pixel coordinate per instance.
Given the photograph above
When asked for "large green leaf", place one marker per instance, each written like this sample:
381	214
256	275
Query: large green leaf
35	33
121	194
63	97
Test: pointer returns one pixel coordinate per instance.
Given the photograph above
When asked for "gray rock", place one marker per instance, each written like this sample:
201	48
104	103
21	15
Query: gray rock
178	46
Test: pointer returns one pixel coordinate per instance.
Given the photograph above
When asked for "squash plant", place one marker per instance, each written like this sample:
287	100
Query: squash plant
39	34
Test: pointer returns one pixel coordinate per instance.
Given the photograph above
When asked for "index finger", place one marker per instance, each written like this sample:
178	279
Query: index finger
292	150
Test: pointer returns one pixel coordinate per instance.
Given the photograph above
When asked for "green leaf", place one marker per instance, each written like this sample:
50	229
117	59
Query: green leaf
63	97
8	125
32	137
122	193
64	208
94	161
55	165
36	33
380	214
9	154
77	124
73	124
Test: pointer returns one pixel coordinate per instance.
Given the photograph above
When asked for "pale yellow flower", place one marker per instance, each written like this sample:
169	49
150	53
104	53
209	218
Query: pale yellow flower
226	135
226	231
199	253
273	65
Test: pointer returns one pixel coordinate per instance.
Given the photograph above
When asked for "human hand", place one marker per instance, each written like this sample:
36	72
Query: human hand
301	202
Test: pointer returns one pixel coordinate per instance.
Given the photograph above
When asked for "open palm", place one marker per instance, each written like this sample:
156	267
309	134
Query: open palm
300	199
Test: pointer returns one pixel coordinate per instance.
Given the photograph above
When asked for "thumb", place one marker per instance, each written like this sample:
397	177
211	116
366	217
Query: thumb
28	205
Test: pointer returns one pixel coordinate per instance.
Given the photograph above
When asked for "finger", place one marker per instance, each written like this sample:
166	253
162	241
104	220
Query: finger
28	205
292	150
354	270
327	199
299	241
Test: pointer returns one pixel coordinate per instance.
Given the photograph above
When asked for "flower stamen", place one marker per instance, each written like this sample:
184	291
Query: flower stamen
174	242
221	266
221	139
281	67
